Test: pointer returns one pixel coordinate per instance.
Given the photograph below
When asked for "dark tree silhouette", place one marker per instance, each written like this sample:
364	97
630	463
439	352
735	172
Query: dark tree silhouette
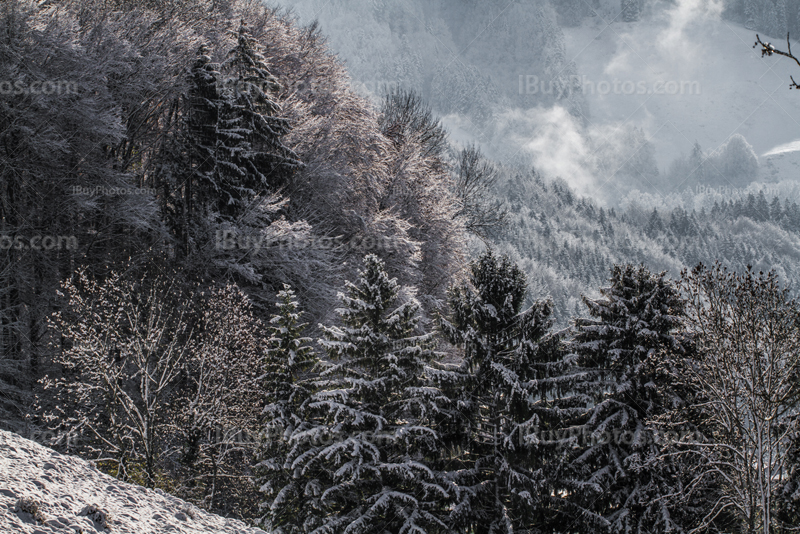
768	49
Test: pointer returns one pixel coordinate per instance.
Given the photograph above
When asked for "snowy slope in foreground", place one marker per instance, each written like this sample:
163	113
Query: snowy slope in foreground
63	486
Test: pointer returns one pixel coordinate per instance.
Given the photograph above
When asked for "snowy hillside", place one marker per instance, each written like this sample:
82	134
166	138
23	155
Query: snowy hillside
781	163
73	496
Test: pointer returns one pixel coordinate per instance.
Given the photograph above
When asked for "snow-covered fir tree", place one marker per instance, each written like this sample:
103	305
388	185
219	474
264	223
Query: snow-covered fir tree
187	159
250	157
288	383
571	12
514	374
358	464
750	14
770	17
219	177
621	346
781	18
201	120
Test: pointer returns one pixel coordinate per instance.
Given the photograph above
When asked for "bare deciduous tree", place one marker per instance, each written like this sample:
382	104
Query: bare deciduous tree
218	426
155	378
768	49
125	346
748	353
475	178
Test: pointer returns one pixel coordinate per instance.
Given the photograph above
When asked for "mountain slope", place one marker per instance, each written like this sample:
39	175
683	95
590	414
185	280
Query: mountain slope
567	243
64	486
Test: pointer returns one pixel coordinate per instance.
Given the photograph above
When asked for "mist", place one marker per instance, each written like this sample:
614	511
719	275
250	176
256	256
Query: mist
576	98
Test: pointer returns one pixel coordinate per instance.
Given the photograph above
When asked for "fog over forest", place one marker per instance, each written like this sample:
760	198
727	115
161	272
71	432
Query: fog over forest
573	88
667	108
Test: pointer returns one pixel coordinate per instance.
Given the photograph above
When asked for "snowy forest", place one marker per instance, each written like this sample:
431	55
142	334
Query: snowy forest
238	268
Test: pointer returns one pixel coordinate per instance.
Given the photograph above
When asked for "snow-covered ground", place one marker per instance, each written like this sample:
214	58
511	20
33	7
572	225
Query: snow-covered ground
782	163
72	496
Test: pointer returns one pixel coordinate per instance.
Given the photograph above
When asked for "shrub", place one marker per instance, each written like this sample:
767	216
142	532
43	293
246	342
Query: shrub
30	506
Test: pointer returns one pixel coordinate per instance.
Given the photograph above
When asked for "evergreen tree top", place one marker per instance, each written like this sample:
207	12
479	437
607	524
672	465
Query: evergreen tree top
247	61
495	298
636	289
288	350
637	314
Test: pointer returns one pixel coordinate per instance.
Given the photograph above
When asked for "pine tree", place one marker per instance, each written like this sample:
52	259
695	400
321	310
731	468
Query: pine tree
250	157
775	210
793	16
761	209
290	360
186	162
513	376
655	225
750	13
202	119
697	166
781	18
771	17
633	325
572	12
360	465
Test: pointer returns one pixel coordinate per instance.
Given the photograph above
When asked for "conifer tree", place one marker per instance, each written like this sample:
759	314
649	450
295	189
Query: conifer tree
202	119
360	464
514	374
635	322
750	11
250	157
655	225
782	15
571	12
187	162
290	360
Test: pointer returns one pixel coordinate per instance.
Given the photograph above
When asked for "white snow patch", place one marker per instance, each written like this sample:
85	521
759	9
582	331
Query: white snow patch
73	496
794	146
781	165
